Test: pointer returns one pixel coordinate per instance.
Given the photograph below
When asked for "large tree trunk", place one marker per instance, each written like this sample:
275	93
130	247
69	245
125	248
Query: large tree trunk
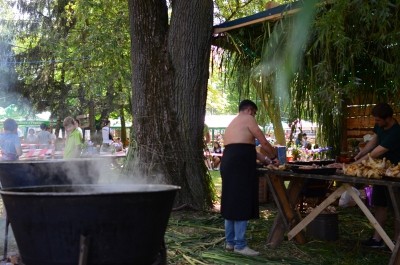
274	113
169	86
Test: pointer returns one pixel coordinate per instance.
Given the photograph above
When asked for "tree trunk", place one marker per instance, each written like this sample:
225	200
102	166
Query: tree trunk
123	125
92	123
169	87
108	102
273	108
274	113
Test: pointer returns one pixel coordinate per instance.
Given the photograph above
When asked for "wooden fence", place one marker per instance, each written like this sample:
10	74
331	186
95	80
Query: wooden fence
359	122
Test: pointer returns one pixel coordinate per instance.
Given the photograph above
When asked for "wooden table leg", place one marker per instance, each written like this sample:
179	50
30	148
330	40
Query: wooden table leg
328	201
276	234
394	196
395	258
286	201
370	217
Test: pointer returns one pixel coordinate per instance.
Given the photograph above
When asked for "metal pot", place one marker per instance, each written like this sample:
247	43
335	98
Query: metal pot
95	224
49	172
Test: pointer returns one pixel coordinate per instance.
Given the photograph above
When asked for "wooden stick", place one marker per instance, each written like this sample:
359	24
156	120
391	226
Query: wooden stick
6	238
285	201
317	210
83	250
370	217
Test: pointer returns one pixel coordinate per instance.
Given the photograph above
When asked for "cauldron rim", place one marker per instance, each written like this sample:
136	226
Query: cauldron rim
105	189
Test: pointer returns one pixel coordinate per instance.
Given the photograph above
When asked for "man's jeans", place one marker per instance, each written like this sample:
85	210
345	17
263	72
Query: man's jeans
235	233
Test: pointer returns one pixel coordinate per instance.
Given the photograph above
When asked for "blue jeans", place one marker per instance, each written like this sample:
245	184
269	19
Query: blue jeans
235	233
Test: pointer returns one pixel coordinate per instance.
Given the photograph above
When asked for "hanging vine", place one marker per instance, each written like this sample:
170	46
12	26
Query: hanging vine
351	55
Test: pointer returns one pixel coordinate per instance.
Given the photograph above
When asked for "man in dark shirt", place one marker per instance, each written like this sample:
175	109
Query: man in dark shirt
384	143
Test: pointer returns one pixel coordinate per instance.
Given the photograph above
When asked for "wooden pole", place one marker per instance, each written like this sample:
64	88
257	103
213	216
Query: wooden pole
370	217
83	250
300	226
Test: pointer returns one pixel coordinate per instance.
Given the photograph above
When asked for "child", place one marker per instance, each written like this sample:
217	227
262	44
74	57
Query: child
74	139
10	143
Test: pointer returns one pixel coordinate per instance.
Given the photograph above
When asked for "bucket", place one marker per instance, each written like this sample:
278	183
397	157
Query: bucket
121	224
324	227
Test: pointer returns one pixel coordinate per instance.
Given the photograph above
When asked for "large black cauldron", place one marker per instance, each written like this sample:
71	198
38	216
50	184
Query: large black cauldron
123	224
49	172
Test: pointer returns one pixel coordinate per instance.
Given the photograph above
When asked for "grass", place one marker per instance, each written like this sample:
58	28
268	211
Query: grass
198	237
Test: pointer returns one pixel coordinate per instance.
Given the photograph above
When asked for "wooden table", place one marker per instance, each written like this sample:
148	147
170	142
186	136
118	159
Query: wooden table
289	220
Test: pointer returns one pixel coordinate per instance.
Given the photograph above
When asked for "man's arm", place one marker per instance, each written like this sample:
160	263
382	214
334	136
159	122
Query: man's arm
368	148
375	153
372	148
265	145
18	148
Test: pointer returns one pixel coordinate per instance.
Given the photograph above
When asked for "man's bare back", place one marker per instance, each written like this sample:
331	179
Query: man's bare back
239	131
244	130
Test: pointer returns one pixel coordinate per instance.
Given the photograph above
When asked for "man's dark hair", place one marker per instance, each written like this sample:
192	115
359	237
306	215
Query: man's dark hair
10	125
247	104
382	110
43	126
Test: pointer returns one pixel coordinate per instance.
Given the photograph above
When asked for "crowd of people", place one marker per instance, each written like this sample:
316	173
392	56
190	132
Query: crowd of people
11	141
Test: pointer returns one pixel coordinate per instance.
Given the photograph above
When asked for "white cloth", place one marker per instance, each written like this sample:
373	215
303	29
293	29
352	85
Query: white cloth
31	139
346	200
44	138
80	130
367	137
105	132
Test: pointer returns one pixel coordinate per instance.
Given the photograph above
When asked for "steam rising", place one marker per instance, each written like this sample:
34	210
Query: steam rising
105	170
68	172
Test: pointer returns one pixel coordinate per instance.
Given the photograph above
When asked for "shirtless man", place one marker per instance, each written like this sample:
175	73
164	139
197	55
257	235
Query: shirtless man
239	200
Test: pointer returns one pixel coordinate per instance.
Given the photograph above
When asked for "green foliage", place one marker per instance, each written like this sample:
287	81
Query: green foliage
198	238
76	52
7	72
228	10
217	102
350	54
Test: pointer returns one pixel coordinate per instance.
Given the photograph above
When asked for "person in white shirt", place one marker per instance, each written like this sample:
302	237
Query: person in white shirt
44	137
31	138
106	135
78	127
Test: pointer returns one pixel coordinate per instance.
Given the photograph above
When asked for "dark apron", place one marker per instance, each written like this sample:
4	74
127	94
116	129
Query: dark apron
239	199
